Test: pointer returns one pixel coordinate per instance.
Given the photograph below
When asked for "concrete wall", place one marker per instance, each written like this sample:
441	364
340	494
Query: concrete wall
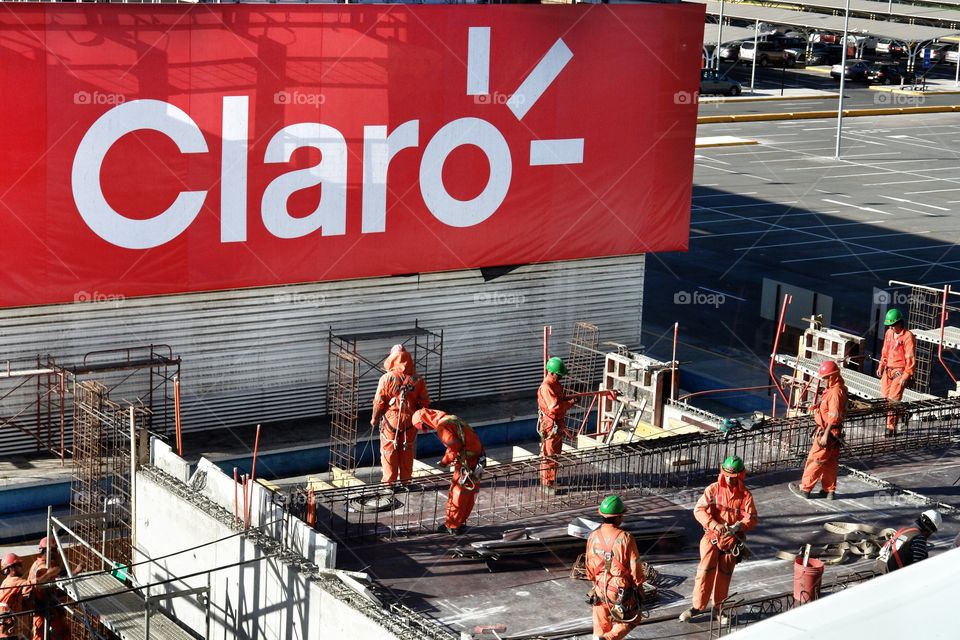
267	599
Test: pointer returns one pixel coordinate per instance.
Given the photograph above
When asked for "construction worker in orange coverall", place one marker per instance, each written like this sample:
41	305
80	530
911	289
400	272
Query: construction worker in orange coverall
726	512
465	453
824	456
551	423
613	565
15	597
400	393
46	597
897	363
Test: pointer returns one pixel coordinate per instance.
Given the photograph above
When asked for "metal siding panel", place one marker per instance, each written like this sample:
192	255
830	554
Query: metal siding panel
259	355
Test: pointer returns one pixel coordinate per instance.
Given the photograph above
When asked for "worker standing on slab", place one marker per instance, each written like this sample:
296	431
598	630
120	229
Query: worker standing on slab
897	363
400	393
613	565
726	512
552	405
824	456
465	453
50	615
15	593
909	545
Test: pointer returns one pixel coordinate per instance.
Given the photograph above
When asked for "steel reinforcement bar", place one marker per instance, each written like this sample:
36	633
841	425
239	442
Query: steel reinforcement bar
512	490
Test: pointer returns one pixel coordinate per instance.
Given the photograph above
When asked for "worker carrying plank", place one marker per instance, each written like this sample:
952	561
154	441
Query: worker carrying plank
465	453
552	405
897	363
613	565
726	512
824	456
400	393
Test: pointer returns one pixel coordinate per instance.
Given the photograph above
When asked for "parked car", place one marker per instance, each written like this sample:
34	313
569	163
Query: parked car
951	55
765	53
880	73
819	54
713	83
857	70
938	52
730	52
892	48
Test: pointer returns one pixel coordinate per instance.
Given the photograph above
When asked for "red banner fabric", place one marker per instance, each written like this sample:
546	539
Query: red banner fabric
157	149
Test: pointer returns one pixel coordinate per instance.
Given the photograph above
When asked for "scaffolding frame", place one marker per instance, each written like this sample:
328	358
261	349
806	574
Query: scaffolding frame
348	368
143	373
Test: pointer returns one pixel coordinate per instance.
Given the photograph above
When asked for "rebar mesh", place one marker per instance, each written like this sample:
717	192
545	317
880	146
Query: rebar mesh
512	490
583	363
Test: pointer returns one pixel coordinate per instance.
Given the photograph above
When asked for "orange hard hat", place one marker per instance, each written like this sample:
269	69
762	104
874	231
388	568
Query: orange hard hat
9	560
827	368
48	541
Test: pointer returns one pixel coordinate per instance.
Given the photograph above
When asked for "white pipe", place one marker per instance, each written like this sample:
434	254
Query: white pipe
753	69
716	51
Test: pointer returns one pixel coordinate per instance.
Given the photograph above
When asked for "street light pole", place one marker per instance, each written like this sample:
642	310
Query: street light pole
720	38
756	54
843	79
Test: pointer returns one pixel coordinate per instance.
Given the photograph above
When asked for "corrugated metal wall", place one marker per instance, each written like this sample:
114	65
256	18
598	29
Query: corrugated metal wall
260	355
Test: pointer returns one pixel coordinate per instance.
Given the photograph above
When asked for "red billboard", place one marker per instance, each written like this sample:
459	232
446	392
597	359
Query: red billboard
157	149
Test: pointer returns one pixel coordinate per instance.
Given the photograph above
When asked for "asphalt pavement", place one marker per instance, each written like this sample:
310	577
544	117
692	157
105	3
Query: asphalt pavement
787	211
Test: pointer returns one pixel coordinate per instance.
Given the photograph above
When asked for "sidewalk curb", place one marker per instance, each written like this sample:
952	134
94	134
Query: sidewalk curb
814	115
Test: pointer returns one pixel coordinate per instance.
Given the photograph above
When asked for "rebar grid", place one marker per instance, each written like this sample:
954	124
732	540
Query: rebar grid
743	612
511	490
100	488
924	314
582	366
344	407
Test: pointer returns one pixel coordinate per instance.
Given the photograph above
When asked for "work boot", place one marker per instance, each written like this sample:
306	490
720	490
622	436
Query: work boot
806	494
442	528
831	495
722	618
690	613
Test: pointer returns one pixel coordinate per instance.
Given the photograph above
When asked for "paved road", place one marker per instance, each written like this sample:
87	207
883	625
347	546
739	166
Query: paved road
788	211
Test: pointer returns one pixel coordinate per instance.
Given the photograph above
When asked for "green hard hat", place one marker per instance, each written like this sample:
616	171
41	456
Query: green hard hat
555	365
611	506
733	464
893	317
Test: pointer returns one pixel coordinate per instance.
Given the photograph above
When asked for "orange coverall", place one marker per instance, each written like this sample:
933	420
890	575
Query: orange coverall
44	595
15	591
897	362
824	456
720	505
552	425
465	450
400	385
625	571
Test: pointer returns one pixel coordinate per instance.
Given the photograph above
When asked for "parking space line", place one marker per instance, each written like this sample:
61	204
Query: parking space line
725	195
862	253
842	241
910	193
916	204
855	206
906	266
932	215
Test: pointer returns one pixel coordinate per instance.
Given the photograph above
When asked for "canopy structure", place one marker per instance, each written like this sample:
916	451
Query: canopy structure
948	17
909	34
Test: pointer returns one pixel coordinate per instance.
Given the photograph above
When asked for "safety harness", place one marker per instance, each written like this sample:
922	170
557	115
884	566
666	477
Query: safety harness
403	386
469	478
891	548
628	605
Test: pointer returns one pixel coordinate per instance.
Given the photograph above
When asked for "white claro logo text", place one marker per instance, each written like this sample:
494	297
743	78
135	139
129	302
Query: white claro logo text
329	174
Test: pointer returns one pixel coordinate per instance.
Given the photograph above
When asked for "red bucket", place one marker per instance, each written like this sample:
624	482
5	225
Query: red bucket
806	580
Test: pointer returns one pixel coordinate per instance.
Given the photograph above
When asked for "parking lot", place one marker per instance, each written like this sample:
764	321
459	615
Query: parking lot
785	209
